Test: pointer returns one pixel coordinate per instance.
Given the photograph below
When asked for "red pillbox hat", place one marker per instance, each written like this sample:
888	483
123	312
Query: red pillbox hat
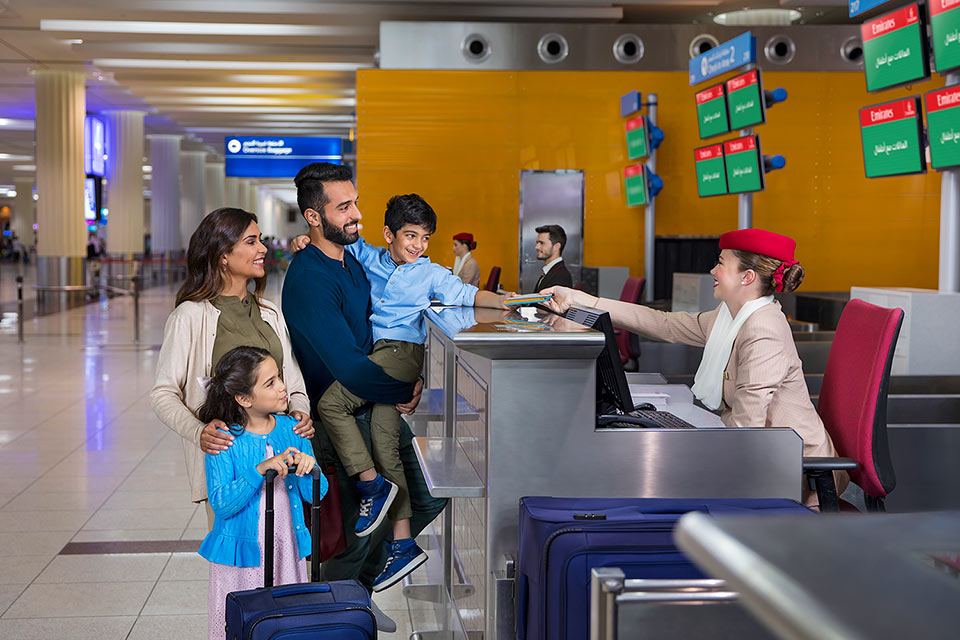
466	238
762	242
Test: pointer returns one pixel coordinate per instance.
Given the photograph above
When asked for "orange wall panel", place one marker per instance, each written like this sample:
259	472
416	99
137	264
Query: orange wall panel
460	139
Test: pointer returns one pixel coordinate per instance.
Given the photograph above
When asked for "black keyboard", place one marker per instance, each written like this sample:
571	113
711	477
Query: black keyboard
644	418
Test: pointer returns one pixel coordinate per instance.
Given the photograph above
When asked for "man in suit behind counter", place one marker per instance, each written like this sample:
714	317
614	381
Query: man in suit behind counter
551	239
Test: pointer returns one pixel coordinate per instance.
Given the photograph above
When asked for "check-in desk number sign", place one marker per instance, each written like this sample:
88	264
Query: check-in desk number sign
945	31
893	48
943	127
712	112
742	157
711	173
891	138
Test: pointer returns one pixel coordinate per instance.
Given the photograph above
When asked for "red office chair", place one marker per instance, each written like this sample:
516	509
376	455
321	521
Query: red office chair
493	282
632	292
853	405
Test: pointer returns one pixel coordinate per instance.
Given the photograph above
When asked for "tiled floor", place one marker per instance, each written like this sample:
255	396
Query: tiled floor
83	459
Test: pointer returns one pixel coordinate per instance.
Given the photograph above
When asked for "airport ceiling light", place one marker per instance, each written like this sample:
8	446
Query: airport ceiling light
10	157
202	28
16	124
156	99
758	18
226	65
151	90
24	167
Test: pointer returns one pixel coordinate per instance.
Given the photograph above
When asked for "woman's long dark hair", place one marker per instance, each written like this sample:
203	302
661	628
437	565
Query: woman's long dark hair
215	237
235	375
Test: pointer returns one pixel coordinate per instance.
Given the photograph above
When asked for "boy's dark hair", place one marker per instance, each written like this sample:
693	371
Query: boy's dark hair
557	234
310	181
409	209
235	375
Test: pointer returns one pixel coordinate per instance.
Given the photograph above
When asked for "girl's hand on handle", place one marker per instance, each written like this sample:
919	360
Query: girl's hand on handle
214	437
564	297
304	427
279	462
304	462
299	243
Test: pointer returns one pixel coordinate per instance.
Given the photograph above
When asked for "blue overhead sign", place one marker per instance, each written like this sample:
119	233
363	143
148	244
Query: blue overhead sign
725	57
277	156
862	6
630	103
94	145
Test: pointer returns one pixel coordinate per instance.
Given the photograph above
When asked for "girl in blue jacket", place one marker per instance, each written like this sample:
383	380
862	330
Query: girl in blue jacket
247	393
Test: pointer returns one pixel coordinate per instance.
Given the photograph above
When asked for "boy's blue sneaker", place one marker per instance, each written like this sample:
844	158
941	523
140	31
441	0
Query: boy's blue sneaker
376	496
405	556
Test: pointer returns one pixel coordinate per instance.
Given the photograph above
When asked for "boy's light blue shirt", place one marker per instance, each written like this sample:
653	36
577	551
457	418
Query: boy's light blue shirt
400	293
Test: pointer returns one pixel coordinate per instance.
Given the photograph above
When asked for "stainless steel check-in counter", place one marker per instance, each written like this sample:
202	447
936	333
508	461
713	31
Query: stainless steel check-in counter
511	413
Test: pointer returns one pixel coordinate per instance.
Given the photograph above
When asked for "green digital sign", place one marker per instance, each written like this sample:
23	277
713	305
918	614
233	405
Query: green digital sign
891	138
711	173
893	48
635	183
636	137
943	127
712	112
945	33
744	168
745	100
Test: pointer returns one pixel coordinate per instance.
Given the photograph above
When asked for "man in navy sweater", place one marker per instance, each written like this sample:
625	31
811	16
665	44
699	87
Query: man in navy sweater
326	303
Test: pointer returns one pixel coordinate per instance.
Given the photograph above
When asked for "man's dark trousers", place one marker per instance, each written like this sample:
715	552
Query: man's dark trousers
364	558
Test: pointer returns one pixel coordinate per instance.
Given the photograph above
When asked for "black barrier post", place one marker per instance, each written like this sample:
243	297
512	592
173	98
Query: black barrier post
136	309
20	309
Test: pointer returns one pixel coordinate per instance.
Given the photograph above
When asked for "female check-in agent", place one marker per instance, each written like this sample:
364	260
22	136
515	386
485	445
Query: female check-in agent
750	366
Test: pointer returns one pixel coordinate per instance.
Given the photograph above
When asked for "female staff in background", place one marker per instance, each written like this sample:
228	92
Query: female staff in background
750	366
465	265
215	312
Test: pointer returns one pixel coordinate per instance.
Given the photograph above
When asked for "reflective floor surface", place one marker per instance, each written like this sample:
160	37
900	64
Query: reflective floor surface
98	535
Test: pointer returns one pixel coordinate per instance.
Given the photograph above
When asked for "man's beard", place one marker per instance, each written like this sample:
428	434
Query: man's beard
337	234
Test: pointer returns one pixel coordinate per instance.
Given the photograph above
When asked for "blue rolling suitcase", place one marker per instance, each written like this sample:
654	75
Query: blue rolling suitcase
562	539
338	609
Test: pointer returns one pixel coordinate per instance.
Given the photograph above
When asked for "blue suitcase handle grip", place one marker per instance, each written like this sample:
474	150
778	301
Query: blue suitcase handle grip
299	590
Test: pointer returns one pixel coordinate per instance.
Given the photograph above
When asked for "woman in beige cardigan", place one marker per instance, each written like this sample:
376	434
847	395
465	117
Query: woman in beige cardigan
465	265
216	311
750	367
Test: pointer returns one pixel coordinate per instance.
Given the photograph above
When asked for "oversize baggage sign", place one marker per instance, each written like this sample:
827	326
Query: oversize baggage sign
890	133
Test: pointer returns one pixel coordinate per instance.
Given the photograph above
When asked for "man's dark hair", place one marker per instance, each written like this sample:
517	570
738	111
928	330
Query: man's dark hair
409	209
557	234
310	181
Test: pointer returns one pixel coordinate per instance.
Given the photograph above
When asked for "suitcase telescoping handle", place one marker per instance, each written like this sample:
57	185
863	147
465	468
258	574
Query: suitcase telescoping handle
268	527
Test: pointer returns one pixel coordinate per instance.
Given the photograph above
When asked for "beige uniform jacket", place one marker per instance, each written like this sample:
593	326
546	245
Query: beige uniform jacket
186	358
470	271
763	383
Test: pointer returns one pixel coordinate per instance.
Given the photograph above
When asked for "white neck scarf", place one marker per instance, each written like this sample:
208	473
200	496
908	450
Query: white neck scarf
708	383
458	263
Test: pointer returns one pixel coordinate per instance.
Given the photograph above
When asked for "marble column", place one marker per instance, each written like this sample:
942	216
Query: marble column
253	197
231	192
62	233
214	186
192	205
165	194
124	192
23	214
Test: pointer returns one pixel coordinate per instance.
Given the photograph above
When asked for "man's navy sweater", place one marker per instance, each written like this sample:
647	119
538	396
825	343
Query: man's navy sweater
326	304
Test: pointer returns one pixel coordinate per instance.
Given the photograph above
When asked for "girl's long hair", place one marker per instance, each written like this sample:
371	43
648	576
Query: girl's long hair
215	237
235	375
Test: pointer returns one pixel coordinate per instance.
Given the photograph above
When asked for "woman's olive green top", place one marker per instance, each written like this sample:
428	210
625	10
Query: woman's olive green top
241	325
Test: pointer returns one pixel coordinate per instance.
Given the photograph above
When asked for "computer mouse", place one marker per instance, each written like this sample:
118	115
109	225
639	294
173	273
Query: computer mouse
644	406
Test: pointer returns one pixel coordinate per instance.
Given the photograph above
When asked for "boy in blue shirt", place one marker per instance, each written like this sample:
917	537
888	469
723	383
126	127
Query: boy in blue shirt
402	284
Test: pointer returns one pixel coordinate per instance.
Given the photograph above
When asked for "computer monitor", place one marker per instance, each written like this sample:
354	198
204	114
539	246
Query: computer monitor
613	392
711	171
745	105
712	116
